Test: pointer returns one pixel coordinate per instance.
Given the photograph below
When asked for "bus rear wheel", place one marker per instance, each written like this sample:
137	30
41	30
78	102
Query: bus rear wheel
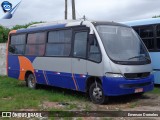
31	82
96	93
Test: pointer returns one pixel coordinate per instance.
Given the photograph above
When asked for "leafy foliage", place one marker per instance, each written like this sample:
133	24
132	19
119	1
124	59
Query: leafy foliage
16	27
4	31
156	16
3	34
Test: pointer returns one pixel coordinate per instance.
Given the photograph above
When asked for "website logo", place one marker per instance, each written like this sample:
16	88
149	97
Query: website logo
8	8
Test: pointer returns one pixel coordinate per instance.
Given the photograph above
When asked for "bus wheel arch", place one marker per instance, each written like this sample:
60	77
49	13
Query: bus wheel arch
95	91
30	80
91	80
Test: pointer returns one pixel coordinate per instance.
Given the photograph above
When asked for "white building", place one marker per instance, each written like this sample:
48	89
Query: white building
3	59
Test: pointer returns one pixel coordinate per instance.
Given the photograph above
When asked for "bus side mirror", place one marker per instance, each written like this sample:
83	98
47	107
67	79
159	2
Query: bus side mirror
91	39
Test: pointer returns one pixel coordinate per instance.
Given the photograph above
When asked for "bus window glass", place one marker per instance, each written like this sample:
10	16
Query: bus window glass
137	30
94	53
18	39
58	49
146	33
122	45
158	43
17	44
36	38
59	43
158	36
60	36
80	44
16	49
35	50
149	42
36	44
158	31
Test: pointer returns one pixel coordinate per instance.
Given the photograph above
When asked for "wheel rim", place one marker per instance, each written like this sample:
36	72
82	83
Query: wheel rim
97	93
31	81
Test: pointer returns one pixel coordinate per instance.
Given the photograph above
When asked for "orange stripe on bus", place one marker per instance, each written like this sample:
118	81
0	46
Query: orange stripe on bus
74	81
45	77
25	65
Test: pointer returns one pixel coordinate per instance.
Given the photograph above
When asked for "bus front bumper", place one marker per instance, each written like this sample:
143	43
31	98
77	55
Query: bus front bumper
121	86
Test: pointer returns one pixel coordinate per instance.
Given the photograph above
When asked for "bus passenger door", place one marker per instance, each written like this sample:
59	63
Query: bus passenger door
79	62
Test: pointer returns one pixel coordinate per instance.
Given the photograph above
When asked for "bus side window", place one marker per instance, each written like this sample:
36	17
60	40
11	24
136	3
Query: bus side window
36	44
146	33
59	43
94	53
17	44
80	44
158	36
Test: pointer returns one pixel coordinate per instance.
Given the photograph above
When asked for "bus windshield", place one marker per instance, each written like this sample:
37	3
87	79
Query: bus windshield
122	44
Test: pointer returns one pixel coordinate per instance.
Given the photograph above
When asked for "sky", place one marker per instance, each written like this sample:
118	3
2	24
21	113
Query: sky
101	10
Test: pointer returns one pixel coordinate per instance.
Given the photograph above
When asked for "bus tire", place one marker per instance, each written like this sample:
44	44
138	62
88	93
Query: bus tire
96	94
31	82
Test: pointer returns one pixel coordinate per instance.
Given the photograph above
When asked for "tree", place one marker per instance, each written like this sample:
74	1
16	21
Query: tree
156	16
4	31
3	34
16	27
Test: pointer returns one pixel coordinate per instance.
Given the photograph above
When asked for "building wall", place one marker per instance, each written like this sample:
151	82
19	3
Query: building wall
2	59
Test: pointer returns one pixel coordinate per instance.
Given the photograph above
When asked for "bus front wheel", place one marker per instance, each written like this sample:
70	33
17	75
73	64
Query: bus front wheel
31	82
96	93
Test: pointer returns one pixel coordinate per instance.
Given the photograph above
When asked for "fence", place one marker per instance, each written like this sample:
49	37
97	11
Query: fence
3	59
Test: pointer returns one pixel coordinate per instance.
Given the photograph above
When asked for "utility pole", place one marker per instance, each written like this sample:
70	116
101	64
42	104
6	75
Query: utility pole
84	17
73	10
66	8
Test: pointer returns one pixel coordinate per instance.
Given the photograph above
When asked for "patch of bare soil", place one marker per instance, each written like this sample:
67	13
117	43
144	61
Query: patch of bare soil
150	102
28	110
6	98
55	105
147	102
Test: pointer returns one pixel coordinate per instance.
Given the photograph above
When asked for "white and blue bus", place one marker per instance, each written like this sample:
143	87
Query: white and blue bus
100	58
149	31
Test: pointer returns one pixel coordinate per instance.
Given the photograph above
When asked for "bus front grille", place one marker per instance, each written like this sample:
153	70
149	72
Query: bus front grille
136	85
136	75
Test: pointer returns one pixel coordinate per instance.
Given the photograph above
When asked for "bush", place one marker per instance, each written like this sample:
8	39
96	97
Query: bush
4	31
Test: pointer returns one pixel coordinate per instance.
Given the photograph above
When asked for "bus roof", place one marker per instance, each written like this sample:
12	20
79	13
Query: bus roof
149	21
50	26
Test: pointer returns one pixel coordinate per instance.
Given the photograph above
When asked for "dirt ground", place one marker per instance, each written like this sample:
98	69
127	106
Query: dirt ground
146	102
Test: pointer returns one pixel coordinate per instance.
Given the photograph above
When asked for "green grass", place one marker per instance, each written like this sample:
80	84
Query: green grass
133	105
156	90
14	95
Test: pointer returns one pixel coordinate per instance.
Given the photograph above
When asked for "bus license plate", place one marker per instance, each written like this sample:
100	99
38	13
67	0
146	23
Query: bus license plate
138	90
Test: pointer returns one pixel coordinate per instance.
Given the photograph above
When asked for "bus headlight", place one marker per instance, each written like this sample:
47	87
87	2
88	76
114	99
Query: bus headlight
113	75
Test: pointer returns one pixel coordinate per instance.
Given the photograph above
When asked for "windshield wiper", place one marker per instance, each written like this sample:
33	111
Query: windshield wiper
138	57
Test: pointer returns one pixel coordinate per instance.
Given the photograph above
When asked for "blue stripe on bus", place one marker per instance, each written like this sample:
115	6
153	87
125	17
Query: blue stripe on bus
13	66
40	77
35	29
111	86
61	79
31	58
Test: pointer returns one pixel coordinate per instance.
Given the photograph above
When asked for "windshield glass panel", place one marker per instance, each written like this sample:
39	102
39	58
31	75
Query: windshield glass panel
122	43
